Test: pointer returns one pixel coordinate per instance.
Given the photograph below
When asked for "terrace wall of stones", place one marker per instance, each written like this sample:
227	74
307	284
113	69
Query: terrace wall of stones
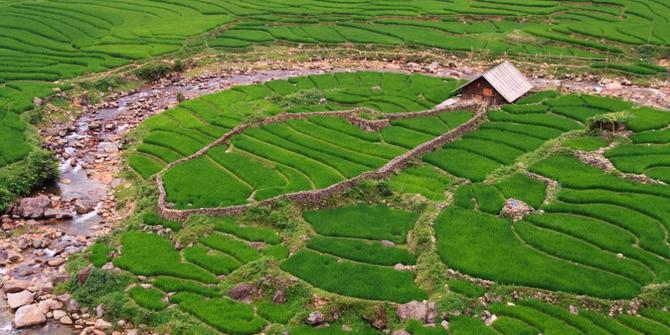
320	195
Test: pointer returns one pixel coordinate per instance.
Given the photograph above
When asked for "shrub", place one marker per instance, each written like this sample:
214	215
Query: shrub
21	178
155	71
100	254
99	284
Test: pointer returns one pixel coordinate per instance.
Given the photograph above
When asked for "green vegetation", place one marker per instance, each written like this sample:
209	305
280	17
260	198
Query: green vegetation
223	314
148	298
152	255
353	279
585	143
100	254
248	165
361	221
21	178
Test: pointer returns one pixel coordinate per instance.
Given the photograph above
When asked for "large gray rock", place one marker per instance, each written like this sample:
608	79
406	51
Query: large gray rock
16	300
102	324
58	214
242	292
29	315
315	318
34	208
16	285
415	310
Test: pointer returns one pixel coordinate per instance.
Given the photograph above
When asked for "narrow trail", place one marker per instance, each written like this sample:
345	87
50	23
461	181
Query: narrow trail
90	152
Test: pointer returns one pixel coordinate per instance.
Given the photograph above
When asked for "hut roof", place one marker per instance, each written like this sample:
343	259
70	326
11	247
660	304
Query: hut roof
507	80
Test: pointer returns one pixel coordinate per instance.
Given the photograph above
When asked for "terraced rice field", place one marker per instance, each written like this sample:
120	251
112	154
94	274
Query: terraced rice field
354	252
591	235
47	41
599	228
190	273
184	130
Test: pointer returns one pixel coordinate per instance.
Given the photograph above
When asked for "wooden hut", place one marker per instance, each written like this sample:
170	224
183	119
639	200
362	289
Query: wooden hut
499	85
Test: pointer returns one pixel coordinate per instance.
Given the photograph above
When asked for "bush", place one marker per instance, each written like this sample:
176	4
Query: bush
21	178
100	283
155	71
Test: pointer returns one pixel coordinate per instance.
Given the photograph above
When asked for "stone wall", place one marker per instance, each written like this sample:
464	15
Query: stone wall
320	195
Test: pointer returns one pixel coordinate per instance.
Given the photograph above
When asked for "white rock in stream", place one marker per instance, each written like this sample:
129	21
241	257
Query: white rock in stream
29	315
16	300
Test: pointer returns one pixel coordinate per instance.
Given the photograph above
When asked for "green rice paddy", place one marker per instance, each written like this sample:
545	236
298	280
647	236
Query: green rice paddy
591	234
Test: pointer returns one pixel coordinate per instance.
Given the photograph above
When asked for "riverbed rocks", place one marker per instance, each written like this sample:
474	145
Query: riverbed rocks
19	299
29	315
417	310
34	208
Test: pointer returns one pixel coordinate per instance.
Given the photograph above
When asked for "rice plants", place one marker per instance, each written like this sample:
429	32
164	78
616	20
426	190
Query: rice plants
422	179
353	279
585	143
471	242
466	288
148	298
152	255
170	284
217	263
522	187
257	234
222	314
363	221
361	251
238	249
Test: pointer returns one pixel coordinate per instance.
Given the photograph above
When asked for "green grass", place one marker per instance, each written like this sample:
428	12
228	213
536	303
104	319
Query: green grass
361	251
152	255
100	254
353	279
148	298
222	314
484	246
585	143
170	284
363	221
256	234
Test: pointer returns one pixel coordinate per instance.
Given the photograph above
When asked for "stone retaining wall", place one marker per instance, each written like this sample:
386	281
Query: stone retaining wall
320	195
